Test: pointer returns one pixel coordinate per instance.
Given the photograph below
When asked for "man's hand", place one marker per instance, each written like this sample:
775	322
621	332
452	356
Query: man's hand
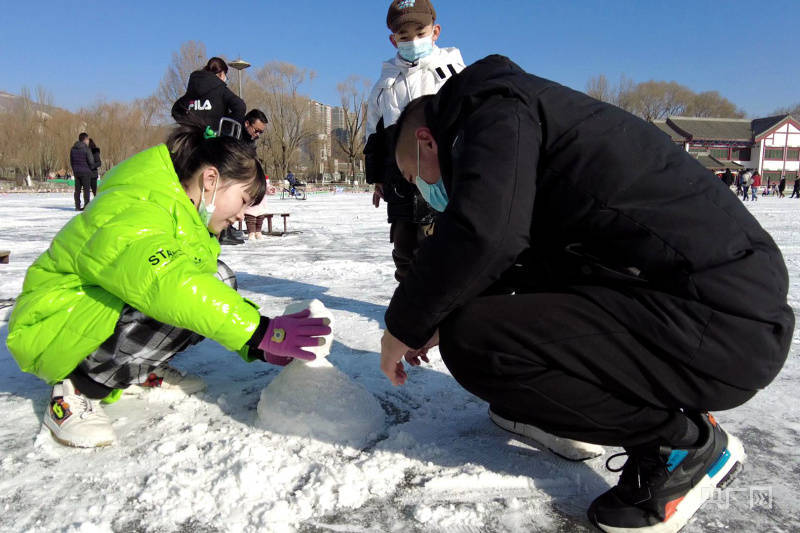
377	195
392	352
413	357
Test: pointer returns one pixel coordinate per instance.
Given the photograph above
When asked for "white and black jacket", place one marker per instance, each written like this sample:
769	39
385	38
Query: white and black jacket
399	83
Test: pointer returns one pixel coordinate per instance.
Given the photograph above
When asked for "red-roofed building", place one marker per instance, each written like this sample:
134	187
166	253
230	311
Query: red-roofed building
770	145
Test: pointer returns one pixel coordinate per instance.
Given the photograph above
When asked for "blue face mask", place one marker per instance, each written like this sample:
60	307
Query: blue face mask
413	51
434	194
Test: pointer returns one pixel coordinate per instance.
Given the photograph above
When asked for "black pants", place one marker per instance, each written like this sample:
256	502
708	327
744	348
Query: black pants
82	182
406	237
93	185
562	363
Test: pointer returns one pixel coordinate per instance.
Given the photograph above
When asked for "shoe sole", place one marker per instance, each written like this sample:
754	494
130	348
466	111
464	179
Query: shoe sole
571	450
73	444
723	474
101	444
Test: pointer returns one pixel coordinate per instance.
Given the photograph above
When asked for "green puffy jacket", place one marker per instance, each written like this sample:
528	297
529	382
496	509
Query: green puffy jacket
140	242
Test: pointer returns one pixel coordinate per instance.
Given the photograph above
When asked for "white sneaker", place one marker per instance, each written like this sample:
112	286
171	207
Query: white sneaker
573	450
168	379
75	420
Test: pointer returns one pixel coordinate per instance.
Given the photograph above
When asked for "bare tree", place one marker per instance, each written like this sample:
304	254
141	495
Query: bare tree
712	104
353	92
598	87
622	93
190	57
277	91
121	130
789	110
655	100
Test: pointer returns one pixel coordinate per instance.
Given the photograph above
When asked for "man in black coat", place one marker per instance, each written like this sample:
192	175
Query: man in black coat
255	122
83	168
254	125
589	280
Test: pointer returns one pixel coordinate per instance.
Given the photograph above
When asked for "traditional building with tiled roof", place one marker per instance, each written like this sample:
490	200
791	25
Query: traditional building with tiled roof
770	145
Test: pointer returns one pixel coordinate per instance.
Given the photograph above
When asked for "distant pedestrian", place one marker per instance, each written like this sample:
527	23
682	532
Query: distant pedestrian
747	179
294	183
796	188
755	183
82	163
97	162
782	187
727	177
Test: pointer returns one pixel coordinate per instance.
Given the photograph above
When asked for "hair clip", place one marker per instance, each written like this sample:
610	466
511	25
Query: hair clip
209	133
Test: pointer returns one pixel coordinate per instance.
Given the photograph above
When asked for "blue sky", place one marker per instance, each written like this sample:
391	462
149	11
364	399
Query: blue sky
81	51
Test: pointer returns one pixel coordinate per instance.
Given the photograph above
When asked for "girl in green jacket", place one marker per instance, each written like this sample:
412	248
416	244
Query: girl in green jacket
135	279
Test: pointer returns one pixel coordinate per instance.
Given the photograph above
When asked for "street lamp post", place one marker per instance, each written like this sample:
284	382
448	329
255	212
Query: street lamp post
239	64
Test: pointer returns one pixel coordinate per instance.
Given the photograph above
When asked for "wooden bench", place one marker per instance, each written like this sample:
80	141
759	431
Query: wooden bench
269	223
4	256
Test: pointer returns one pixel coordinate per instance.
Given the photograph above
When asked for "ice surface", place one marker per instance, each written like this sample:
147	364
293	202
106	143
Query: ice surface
203	463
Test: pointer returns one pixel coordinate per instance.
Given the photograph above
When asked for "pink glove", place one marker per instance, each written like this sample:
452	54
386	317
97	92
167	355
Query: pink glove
287	335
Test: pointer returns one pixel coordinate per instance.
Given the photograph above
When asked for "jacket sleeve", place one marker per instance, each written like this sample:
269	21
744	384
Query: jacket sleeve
149	270
236	107
375	155
485	226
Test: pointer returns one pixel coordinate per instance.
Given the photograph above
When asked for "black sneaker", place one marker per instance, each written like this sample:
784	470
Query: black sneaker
227	239
660	487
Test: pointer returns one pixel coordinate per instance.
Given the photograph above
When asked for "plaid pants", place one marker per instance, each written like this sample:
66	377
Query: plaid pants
138	345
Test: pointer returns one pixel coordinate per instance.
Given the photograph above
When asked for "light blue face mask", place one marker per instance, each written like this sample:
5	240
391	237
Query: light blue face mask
435	194
413	51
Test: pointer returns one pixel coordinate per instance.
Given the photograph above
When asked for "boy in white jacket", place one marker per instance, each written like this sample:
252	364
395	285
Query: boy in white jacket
418	68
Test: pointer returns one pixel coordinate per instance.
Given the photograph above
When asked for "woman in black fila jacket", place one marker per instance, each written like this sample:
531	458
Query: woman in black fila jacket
208	98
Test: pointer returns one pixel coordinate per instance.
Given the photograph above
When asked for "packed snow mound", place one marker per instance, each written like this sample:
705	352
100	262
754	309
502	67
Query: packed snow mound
315	399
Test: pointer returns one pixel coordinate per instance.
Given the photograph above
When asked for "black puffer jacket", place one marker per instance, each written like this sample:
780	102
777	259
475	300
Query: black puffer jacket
553	190
209	99
97	162
81	160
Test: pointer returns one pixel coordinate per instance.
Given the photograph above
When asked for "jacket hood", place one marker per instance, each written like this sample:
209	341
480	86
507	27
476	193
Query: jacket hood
79	144
202	82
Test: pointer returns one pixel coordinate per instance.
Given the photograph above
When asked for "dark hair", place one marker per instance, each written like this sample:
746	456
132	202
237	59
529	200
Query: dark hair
216	65
414	113
256	114
83	136
92	145
190	151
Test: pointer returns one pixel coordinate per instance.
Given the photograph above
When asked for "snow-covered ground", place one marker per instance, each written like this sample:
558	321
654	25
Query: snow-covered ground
203	463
